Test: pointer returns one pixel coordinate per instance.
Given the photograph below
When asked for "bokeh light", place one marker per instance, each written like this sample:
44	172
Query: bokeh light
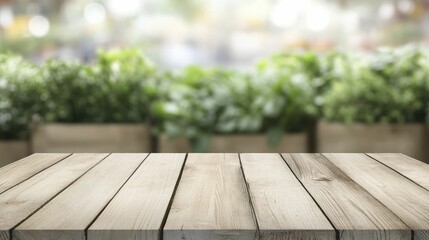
95	13
38	26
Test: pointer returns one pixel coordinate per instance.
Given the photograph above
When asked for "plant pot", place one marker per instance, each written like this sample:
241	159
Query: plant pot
53	137
11	151
241	143
410	139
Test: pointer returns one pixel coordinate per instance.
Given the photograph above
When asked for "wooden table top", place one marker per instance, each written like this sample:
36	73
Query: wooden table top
215	196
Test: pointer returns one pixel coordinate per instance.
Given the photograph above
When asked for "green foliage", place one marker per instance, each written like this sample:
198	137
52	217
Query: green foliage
127	79
22	96
389	86
283	93
200	102
294	87
115	89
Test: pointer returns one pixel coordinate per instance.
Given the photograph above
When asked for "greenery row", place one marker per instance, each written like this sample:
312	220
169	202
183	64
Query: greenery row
282	93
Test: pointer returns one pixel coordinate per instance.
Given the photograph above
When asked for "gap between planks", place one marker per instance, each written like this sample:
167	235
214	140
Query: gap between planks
67	220
164	220
56	194
177	185
206	204
96	217
411	201
255	219
56	158
342	200
337	232
273	186
420	171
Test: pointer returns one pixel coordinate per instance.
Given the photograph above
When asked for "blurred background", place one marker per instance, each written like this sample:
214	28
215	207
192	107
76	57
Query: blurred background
211	33
214	76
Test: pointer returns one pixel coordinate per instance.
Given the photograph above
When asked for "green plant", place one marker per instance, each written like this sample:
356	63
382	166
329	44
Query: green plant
201	102
284	93
389	86
115	89
127	83
191	101
22	96
73	92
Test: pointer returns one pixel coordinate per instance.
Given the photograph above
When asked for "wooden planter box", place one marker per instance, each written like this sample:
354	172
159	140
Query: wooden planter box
243	143
410	139
11	151
90	138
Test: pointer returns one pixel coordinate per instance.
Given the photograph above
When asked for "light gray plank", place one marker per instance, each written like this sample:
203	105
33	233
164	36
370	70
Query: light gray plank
69	214
283	208
21	201
406	199
211	201
411	168
19	171
351	209
138	210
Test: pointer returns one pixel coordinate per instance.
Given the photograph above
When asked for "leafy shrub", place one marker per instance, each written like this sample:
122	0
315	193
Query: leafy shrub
22	96
390	86
191	102
283	93
202	102
74	93
115	89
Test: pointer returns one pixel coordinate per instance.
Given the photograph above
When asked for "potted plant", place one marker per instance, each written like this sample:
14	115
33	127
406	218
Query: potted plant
96	108
378	103
21	98
219	110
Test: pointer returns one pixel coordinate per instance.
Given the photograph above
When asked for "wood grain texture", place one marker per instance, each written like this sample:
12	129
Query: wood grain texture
411	168
211	201
283	208
15	173
406	199
138	210
351	209
21	201
71	212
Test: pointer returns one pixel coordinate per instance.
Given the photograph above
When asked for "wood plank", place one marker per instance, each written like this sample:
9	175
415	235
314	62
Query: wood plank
283	208
19	171
411	168
351	209
21	201
406	199
138	210
211	201
71	212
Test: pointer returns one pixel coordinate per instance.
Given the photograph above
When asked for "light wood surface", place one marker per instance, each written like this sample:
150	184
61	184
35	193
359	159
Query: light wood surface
138	210
283	208
214	196
211	201
12	174
351	209
69	214
407	200
21	201
411	168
